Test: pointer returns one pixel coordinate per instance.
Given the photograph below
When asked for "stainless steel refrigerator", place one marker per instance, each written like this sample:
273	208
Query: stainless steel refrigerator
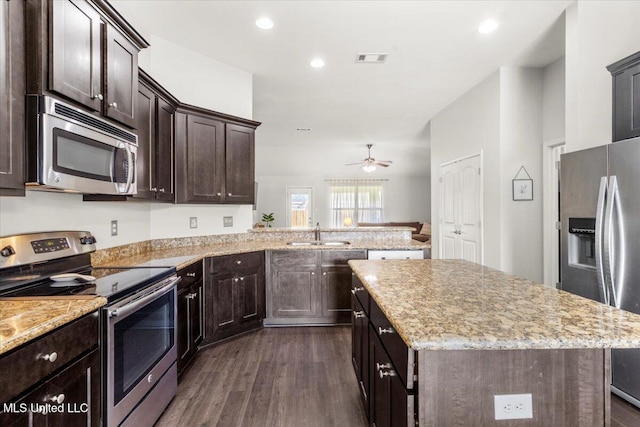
600	239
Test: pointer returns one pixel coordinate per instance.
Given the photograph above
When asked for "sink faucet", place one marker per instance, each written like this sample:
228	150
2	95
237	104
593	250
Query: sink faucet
317	231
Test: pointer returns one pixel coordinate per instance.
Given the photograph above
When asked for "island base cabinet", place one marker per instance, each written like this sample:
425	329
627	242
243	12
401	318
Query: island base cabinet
391	405
568	387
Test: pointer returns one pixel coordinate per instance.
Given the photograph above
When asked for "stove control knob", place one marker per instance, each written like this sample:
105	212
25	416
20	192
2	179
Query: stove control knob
7	251
87	240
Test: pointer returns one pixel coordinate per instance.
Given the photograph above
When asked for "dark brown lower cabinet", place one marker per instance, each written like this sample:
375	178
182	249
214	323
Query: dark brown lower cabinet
360	349
190	313
234	295
74	392
310	287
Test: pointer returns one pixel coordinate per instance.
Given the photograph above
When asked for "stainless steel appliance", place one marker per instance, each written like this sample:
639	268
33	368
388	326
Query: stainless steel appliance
600	239
72	150
138	324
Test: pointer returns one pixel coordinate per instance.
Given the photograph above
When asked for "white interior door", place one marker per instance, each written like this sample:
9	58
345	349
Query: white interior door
299	207
460	220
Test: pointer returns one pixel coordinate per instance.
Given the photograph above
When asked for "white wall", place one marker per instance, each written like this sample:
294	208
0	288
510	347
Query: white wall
406	198
599	33
168	221
521	92
502	118
553	101
469	125
45	211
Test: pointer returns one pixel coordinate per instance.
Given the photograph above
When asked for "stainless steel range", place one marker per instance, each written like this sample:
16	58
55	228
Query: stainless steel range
138	324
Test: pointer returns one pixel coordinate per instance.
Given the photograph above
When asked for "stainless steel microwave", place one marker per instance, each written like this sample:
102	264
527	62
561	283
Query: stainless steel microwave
72	150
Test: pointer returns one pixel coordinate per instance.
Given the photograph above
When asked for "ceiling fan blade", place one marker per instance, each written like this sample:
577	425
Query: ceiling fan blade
388	162
384	165
352	164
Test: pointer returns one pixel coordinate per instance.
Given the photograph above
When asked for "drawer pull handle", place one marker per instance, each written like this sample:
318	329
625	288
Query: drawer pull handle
390	373
51	357
380	366
385	331
354	290
358	314
191	274
58	399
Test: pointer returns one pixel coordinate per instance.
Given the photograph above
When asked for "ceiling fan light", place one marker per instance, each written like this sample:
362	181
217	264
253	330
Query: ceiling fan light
368	168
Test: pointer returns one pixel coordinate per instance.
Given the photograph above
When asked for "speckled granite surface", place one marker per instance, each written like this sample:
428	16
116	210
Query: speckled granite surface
23	319
454	304
182	256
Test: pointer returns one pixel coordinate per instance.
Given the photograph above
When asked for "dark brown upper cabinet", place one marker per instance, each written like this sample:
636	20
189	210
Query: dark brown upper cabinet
626	97
156	109
91	56
215	159
12	89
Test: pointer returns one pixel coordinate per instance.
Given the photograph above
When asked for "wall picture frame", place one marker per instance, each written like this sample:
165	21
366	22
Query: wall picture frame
522	189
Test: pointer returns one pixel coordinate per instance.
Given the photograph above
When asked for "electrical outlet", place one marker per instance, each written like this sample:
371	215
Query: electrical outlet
227	221
114	227
513	406
193	222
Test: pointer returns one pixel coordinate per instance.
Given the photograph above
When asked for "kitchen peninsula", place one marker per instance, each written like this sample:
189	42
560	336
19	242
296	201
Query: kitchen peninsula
474	333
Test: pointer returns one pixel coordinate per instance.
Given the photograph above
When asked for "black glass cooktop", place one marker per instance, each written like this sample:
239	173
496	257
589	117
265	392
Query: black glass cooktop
111	283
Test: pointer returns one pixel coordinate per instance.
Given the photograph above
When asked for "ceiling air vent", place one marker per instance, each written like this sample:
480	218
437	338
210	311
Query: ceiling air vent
371	58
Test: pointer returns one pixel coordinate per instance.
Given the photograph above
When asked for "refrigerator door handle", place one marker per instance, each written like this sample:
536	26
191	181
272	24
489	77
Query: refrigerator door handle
600	211
609	243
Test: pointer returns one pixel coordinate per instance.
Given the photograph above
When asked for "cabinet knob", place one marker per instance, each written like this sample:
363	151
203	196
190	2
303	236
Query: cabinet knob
313	273
242	279
228	194
51	357
238	262
99	96
385	331
324	273
154	189
58	399
235	280
191	274
358	314
354	290
218	194
161	190
113	105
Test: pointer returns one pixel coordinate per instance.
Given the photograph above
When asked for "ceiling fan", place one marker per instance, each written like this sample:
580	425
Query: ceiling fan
369	164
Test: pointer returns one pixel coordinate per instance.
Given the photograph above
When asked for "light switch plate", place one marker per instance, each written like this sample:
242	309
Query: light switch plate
227	221
193	222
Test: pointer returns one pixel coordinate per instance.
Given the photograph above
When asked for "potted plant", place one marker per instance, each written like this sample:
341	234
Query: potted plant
268	218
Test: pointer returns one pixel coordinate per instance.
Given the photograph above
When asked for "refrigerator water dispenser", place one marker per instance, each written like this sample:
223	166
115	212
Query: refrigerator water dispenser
582	242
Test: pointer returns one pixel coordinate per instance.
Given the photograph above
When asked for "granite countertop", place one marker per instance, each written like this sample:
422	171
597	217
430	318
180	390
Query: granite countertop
455	304
25	318
184	256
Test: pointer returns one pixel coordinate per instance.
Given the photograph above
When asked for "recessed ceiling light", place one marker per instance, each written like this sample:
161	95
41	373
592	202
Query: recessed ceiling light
264	23
488	26
317	63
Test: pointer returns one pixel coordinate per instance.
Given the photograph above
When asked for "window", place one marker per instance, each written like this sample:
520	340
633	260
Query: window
355	201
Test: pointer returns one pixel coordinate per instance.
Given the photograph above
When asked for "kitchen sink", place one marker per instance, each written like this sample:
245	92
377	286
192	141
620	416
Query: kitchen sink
319	243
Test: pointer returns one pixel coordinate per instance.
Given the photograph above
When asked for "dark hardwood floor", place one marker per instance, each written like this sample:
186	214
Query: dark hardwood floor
286	377
272	377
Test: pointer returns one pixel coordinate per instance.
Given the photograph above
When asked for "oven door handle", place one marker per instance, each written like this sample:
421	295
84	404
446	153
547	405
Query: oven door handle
128	307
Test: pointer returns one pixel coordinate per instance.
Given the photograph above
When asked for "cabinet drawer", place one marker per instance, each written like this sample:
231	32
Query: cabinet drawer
341	257
190	275
357	289
307	257
232	263
28	364
402	357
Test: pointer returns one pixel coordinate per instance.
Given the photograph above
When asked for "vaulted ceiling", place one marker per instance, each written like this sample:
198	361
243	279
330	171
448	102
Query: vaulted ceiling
435	55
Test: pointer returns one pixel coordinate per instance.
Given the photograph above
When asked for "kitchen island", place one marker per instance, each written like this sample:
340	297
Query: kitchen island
475	332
